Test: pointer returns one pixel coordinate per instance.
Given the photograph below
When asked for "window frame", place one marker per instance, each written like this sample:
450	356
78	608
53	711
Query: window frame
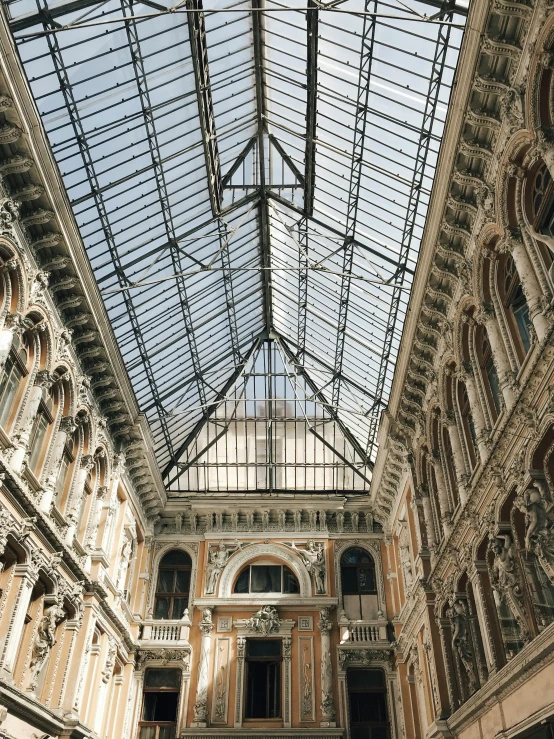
368	691
159	724
269	660
172	595
14	359
265	593
357	566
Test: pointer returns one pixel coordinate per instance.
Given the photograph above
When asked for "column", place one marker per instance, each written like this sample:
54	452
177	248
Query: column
201	703
505	375
442	494
459	464
529	282
466	376
428	516
87	463
239	692
28	576
449	668
486	611
78	661
66	429
90	543
43	380
287	650
327	701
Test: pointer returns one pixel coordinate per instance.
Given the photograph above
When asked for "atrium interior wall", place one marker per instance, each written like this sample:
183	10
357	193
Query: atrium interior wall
275	578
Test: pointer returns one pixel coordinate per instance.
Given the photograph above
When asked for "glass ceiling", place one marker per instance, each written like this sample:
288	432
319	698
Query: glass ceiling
251	181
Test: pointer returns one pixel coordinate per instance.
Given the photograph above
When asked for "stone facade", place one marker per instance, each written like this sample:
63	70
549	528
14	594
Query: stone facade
459	525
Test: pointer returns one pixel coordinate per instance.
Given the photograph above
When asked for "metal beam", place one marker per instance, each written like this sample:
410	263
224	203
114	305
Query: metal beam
222	394
432	98
141	79
312	23
60	9
364	78
291	359
88	163
199	50
263	211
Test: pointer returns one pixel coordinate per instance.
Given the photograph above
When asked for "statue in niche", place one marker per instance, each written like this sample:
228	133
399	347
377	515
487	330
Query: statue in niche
297	520
405	559
505	580
354	517
538	508
126	552
322	520
460	641
217	559
282	520
178	523
314	559
340	522
44	641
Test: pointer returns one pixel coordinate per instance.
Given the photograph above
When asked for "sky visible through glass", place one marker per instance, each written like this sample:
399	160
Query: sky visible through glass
249	179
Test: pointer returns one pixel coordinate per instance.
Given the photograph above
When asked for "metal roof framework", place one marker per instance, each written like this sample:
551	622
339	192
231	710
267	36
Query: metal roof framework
246	175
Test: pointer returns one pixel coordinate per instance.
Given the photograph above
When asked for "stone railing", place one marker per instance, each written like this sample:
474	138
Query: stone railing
166	632
362	631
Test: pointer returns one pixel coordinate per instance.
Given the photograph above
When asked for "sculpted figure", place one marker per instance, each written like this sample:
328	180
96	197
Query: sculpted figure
460	642
539	524
505	580
44	641
314	559
264	621
216	562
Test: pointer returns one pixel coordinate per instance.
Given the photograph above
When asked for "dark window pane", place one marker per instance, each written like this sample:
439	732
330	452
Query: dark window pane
149	706
349	580
166	706
163	679
266	579
360	732
243	581
162	608
176	557
263	693
290	583
179	605
262	648
165	581
367	708
182	581
364	679
366	578
167	732
147	732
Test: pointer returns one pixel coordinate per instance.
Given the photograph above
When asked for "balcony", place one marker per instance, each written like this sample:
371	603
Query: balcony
166	632
362	632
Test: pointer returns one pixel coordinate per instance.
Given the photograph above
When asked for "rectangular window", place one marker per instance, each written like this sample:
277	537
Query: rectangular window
160	704
367	702
38	435
9	382
263	678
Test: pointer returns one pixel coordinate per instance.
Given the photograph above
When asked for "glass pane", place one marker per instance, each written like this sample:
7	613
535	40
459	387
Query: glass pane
243	581
182	581
165	581
166	706
176	557
149	706
349	580
179	605
364	679
162	608
163	679
290	583
262	648
167	732
366	578
266	579
367	707
147	732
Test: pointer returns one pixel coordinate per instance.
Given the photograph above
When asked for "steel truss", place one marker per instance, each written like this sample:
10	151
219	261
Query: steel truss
429	115
88	163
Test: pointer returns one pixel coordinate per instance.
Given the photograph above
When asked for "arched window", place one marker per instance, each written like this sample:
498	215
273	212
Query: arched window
172	590
14	371
39	431
468	426
357	571
267	578
488	372
515	306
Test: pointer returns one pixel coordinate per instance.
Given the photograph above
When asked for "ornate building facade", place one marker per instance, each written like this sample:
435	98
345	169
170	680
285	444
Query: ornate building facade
422	608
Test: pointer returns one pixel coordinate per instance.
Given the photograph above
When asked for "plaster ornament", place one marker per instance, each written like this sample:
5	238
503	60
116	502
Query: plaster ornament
44	641
460	642
536	503
217	559
314	559
505	580
265	621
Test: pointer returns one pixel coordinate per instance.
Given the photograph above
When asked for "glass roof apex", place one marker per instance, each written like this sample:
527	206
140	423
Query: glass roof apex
251	180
